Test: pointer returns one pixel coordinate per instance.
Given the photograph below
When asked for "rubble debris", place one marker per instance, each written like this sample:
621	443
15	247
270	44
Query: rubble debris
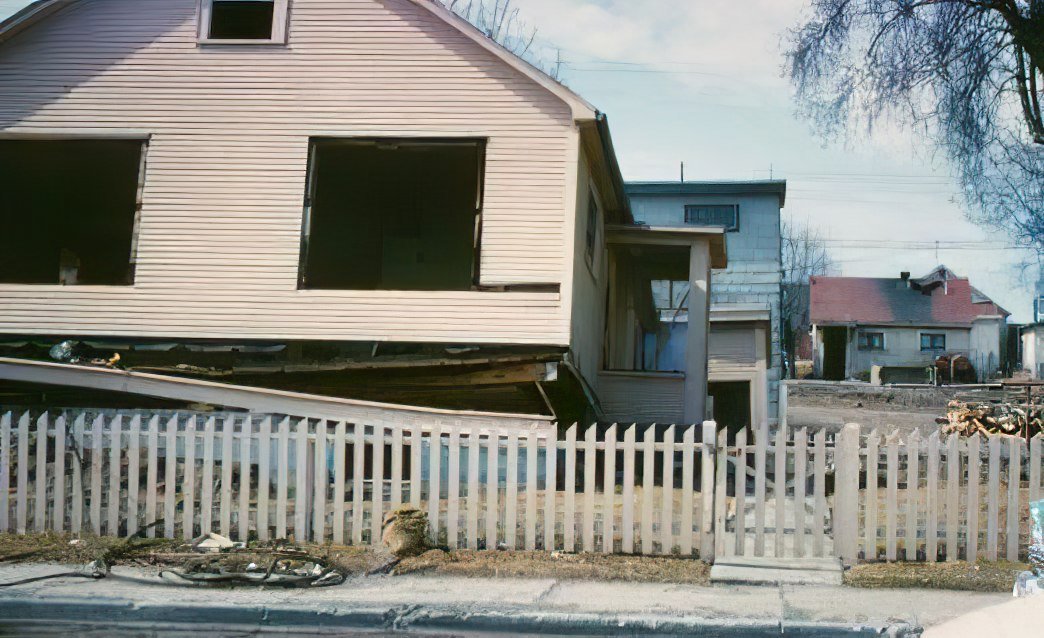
405	532
955	369
298	570
991	419
211	543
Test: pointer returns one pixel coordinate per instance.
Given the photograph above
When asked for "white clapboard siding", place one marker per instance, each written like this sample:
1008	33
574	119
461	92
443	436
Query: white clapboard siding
227	164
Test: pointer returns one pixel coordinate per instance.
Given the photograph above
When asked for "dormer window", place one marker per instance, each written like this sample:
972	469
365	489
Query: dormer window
243	21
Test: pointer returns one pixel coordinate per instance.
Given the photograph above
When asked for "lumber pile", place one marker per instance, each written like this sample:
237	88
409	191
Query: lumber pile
991	419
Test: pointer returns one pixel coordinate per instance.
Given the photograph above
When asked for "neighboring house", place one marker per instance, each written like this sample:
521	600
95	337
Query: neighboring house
1033	350
745	356
298	193
859	322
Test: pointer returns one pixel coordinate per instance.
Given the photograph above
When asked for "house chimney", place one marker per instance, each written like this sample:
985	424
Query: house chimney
905	276
904	280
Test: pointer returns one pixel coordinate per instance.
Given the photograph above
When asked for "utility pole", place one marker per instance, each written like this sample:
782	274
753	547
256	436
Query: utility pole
683	172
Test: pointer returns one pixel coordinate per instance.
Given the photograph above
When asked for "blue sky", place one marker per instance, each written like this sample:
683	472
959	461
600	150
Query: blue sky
699	81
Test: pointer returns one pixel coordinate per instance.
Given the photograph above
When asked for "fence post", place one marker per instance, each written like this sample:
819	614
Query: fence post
846	493
707	531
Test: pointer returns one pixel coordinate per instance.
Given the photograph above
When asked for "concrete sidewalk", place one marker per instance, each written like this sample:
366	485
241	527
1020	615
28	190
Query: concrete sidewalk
544	606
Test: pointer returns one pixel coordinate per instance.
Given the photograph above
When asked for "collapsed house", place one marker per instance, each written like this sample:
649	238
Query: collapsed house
903	326
366	201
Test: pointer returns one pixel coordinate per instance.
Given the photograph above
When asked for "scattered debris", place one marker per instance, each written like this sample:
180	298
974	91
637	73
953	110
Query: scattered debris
212	543
294	570
405	532
956	575
991	419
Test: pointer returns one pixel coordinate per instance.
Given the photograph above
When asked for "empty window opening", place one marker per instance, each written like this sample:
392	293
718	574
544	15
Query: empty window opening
241	19
393	215
68	210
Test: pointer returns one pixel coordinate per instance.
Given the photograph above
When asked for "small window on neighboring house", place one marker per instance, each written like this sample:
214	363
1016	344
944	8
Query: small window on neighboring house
591	237
933	341
1040	307
871	341
246	21
724	216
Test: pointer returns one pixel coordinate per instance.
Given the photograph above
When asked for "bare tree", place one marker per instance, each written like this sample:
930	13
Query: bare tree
970	73
501	21
804	255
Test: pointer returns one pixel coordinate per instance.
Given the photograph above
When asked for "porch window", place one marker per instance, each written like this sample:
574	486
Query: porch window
393	214
243	21
931	341
871	341
69	211
726	216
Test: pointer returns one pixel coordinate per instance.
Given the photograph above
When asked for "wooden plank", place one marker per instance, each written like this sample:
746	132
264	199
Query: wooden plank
800	482
434	476
627	520
376	485
58	515
1014	480
301	487
492	488
846	493
264	478
819	494
340	446
707	531
22	479
993	498
609	492
474	497
283	478
892	496
953	486
320	485
721	484
931	506
226	475
972	548
115	467
511	492
151	473
395	500
870	532
590	463
188	479
40	501
532	452
688	517
78	491
913	491
1034	468
206	497
779	490
453	490
569	516
648	488
170	477
416	465
5	475
358	487
245	436
760	470
740	546
550	491
667	493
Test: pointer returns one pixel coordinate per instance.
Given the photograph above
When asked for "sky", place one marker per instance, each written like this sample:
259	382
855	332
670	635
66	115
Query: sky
700	82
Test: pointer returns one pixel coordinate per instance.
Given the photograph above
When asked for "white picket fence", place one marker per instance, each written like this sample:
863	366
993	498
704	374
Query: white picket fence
688	491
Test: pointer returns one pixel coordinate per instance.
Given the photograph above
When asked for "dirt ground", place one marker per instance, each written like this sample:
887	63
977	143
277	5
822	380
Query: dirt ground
906	419
981	576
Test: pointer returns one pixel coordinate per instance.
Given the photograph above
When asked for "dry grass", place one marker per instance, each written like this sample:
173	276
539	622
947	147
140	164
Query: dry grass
519	564
959	575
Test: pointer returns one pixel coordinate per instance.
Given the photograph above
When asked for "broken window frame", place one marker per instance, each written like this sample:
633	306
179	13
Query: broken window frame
871	340
482	145
280	26
144	139
933	338
729	227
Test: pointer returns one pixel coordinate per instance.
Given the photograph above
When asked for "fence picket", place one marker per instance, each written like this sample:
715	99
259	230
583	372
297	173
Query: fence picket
569	516
891	496
283	478
609	491
511	492
321	482
188	490
22	479
206	497
115	436
531	491
760	454
707	441
590	463
800	482
151	473
264	479
953	485
226	476
819	494
243	518
870	518
931	506
358	488
667	493
474	452
779	490
5	473
453	491
395	498
1034	468
416	465
58	517
719	493
301	490
972	549
993	498
434	476
688	519
492	488
1014	480
627	516
340	447
170	465
648	489
376	485
550	491
913	480
40	501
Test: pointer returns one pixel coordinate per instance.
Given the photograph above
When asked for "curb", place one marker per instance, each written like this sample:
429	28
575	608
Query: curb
22	613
